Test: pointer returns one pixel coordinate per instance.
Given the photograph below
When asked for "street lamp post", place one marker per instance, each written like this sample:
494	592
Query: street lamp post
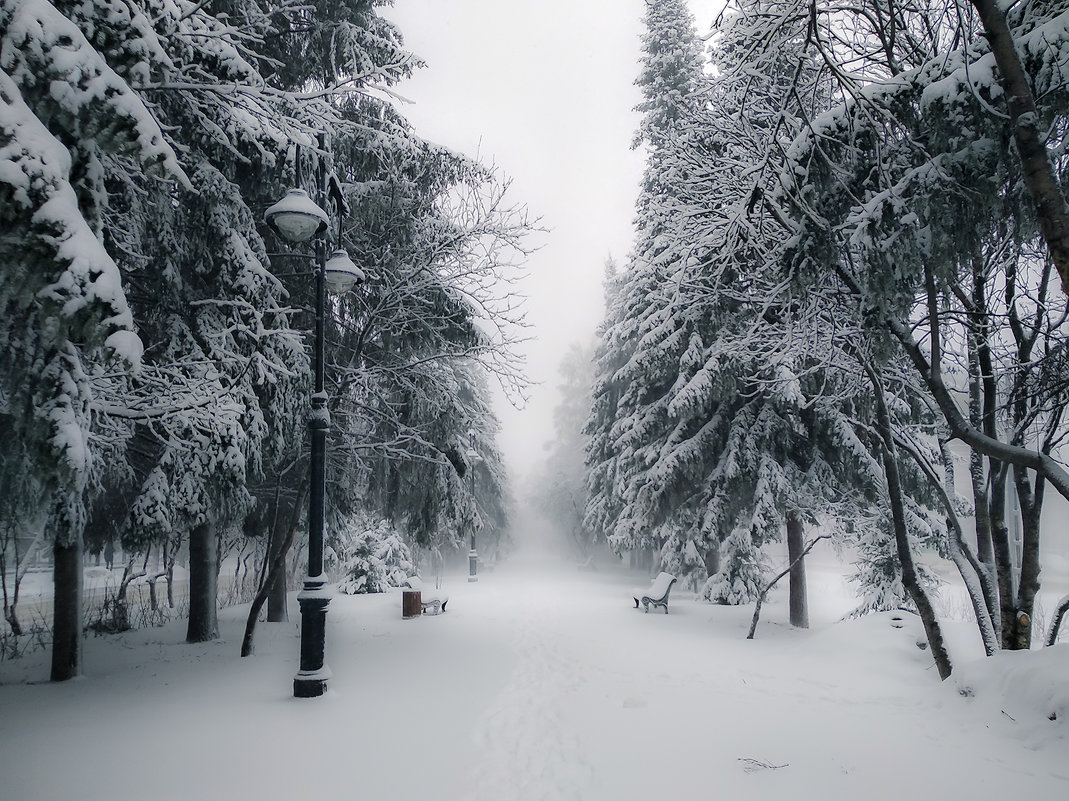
297	218
473	459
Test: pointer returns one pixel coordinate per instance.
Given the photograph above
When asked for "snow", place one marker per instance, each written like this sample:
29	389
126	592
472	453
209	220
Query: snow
544	682
127	346
40	44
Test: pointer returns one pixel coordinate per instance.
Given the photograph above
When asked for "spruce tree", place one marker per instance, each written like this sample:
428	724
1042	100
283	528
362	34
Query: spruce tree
67	320
670	74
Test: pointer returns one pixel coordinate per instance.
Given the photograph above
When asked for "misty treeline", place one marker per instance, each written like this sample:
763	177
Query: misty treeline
154	335
843	312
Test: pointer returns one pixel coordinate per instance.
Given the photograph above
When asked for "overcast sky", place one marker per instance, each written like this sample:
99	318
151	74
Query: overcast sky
544	90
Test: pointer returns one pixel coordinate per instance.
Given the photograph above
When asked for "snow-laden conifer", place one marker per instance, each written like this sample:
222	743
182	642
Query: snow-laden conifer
371	557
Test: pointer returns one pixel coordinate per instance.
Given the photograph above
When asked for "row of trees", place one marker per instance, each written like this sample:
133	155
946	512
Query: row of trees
846	266
154	365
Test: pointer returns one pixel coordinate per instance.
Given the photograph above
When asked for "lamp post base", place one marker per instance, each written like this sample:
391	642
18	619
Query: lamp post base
311	679
311	685
473	566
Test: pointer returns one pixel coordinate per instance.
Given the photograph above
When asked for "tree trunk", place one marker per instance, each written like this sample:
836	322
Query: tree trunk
12	618
170	556
983	403
977	474
712	560
1052	212
1056	621
1028	586
120	612
799	606
67	611
277	611
985	552
978	582
203	555
1000	540
898	515
11	604
761	596
277	565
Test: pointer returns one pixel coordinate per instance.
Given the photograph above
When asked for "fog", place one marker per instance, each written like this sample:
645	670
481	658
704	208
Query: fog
545	91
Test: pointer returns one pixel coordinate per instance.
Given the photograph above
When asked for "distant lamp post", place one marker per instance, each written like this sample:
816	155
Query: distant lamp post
473	459
297	218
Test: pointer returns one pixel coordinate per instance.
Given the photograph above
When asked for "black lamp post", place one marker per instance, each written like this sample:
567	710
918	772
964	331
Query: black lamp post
297	218
473	459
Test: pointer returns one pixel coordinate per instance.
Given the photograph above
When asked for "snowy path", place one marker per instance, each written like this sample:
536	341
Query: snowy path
525	747
534	685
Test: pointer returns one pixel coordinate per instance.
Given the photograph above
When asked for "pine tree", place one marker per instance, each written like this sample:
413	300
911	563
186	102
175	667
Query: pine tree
154	353
670	74
66	316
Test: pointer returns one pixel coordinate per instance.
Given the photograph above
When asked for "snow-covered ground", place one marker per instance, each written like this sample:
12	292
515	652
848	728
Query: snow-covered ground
543	682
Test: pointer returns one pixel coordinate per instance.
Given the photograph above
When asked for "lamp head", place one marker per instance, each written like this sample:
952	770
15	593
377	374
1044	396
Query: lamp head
296	218
341	274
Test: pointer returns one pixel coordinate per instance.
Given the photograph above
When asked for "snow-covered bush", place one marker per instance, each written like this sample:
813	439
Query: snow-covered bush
878	573
372	557
741	576
681	558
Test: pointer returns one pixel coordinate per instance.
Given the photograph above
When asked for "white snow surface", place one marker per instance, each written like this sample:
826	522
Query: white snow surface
544	682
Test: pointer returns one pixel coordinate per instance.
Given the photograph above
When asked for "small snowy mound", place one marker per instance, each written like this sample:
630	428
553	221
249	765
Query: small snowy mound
1028	687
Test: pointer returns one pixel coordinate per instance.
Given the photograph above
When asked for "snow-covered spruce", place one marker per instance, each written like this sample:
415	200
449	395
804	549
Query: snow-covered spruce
373	557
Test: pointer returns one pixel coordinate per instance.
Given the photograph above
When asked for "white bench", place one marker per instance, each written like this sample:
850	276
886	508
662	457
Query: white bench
657	594
429	598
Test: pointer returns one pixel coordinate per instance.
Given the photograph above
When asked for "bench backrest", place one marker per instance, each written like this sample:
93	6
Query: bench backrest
661	585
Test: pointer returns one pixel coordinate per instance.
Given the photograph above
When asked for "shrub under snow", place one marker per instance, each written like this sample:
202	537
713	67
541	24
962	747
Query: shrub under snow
373	557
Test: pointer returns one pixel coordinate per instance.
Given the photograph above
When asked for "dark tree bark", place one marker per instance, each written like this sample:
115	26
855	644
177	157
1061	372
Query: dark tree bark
983	399
67	610
171	558
277	607
1020	638
712	560
898	515
1056	621
1052	212
761	598
11	604
799	603
203	575
978	581
278	564
169	555
120	612
1000	541
281	539
11	615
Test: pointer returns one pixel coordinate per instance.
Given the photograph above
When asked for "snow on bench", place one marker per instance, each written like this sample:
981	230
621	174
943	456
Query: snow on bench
428	597
657	594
